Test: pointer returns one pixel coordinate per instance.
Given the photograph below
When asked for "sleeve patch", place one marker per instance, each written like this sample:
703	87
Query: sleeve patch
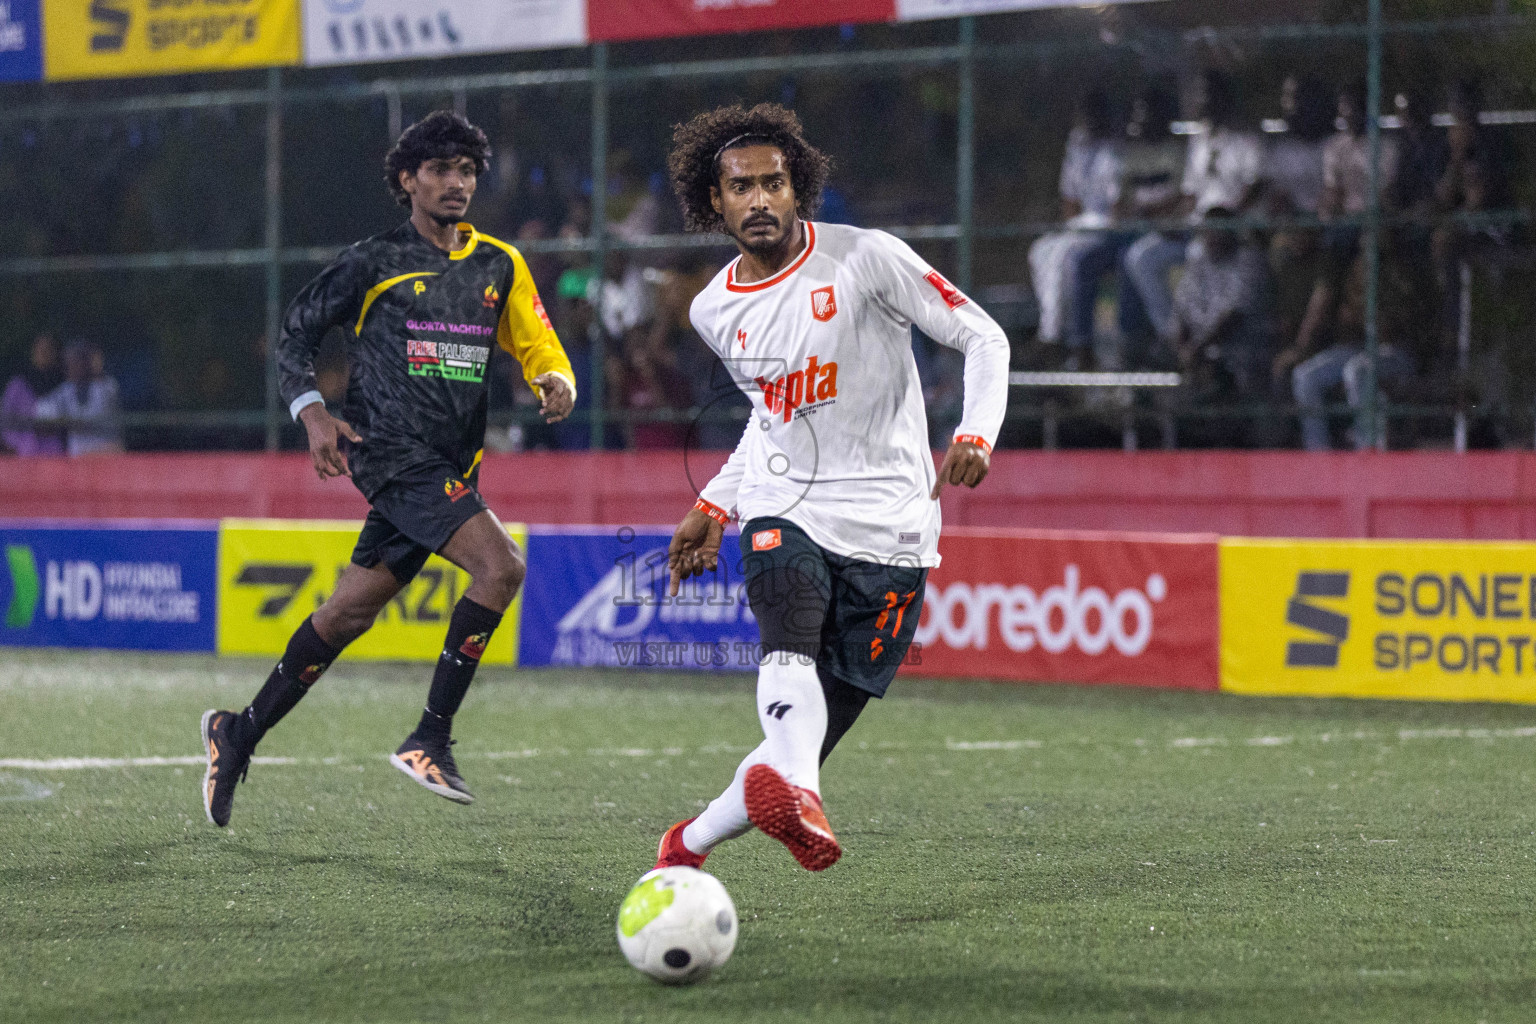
952	296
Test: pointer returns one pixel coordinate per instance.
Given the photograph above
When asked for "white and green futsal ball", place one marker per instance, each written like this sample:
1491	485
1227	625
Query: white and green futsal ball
677	925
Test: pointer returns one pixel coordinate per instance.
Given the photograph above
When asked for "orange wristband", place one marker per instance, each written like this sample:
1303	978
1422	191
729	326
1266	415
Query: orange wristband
975	439
714	512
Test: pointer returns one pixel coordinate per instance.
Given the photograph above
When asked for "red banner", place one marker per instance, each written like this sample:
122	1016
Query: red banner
650	19
1048	606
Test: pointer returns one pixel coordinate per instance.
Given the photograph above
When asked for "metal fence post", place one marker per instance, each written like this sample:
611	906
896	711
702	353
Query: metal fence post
1373	418
273	245
599	231
965	155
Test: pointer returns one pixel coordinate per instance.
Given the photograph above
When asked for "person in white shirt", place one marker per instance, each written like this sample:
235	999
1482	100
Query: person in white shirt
1224	169
833	480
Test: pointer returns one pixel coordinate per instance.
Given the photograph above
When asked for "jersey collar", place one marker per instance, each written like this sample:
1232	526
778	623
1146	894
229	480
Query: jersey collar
757	286
469	244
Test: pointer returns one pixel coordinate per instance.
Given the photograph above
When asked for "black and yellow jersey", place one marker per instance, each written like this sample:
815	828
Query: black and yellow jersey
420	323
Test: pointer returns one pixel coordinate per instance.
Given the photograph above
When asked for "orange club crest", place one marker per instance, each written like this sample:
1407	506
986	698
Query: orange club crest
824	304
492	296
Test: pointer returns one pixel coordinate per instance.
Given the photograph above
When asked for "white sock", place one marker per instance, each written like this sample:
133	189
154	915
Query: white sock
726	816
793	713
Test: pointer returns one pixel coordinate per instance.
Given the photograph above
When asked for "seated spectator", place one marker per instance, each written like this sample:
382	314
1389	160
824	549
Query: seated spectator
1346	193
1476	179
644	382
1221	310
86	403
1090	183
1223	168
18	409
1152	170
1347	362
1295	189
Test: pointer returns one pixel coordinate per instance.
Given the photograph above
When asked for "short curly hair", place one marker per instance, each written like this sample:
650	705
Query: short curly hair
441	133
694	162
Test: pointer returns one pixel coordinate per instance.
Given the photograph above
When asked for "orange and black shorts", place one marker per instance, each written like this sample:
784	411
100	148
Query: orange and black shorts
855	618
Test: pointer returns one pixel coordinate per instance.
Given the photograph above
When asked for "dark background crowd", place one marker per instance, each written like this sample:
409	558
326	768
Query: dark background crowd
1196	208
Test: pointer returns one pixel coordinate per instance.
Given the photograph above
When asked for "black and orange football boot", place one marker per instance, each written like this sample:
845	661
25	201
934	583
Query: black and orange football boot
431	765
228	760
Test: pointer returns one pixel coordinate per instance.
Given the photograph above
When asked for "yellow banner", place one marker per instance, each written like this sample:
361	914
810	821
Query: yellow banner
274	572
1422	620
121	38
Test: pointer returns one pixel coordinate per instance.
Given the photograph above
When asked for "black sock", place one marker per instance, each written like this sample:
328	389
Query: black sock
844	703
469	631
307	657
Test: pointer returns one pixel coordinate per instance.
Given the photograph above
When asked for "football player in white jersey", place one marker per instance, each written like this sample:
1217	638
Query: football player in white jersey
833	480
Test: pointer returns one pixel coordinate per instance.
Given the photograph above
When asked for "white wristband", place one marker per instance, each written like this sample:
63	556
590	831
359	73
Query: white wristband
298	405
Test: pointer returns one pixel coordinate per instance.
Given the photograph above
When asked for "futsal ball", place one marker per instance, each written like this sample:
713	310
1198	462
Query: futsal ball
677	925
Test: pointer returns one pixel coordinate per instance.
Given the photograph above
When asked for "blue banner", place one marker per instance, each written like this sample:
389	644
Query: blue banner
599	597
132	587
21	43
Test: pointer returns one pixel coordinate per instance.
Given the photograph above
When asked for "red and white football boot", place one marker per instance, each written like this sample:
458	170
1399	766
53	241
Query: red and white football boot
791	815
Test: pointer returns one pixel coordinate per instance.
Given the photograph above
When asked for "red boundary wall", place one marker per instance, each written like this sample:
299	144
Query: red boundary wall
1485	495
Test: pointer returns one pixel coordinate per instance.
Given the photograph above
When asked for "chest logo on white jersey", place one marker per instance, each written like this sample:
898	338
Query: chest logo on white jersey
824	304
741	336
812	385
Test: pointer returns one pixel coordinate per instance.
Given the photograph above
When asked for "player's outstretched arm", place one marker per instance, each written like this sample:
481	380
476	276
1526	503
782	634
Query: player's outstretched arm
695	547
325	432
964	463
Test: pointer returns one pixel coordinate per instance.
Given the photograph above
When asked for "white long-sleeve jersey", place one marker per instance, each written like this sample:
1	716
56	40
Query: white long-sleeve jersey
837	441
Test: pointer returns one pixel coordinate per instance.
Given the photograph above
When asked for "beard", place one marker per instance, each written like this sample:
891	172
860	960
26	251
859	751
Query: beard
761	245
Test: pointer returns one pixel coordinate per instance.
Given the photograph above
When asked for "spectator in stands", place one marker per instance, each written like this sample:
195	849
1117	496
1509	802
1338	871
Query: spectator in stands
1295	189
1221	311
18	409
645	383
1090	188
1223	168
1152	169
1346	362
1346	194
576	323
86	403
1476	180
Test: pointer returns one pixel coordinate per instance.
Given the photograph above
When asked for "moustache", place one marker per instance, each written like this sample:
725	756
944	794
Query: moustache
760	220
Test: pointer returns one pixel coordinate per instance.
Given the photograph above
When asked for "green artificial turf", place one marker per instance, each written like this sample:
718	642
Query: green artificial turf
1011	853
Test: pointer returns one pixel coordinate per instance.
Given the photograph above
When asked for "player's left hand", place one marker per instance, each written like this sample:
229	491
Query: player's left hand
964	463
557	397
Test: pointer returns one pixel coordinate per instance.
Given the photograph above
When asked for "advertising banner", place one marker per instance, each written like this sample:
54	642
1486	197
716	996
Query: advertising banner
921	10
1419	619
146	587
599	597
21	45
121	38
274	572
1051	606
651	19
351	31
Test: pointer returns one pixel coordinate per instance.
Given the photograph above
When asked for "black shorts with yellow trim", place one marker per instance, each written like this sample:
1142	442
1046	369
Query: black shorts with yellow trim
414	515
856	619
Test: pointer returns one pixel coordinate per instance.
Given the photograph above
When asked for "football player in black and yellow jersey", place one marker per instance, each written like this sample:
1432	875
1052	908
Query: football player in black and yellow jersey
421	306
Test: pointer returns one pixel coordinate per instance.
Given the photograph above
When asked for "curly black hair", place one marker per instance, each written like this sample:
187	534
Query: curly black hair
694	162
441	133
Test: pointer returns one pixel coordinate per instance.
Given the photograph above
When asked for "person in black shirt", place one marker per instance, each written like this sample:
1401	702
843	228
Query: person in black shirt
421	306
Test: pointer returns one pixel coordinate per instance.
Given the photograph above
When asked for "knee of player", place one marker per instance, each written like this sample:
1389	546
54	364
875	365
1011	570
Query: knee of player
506	572
340	624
